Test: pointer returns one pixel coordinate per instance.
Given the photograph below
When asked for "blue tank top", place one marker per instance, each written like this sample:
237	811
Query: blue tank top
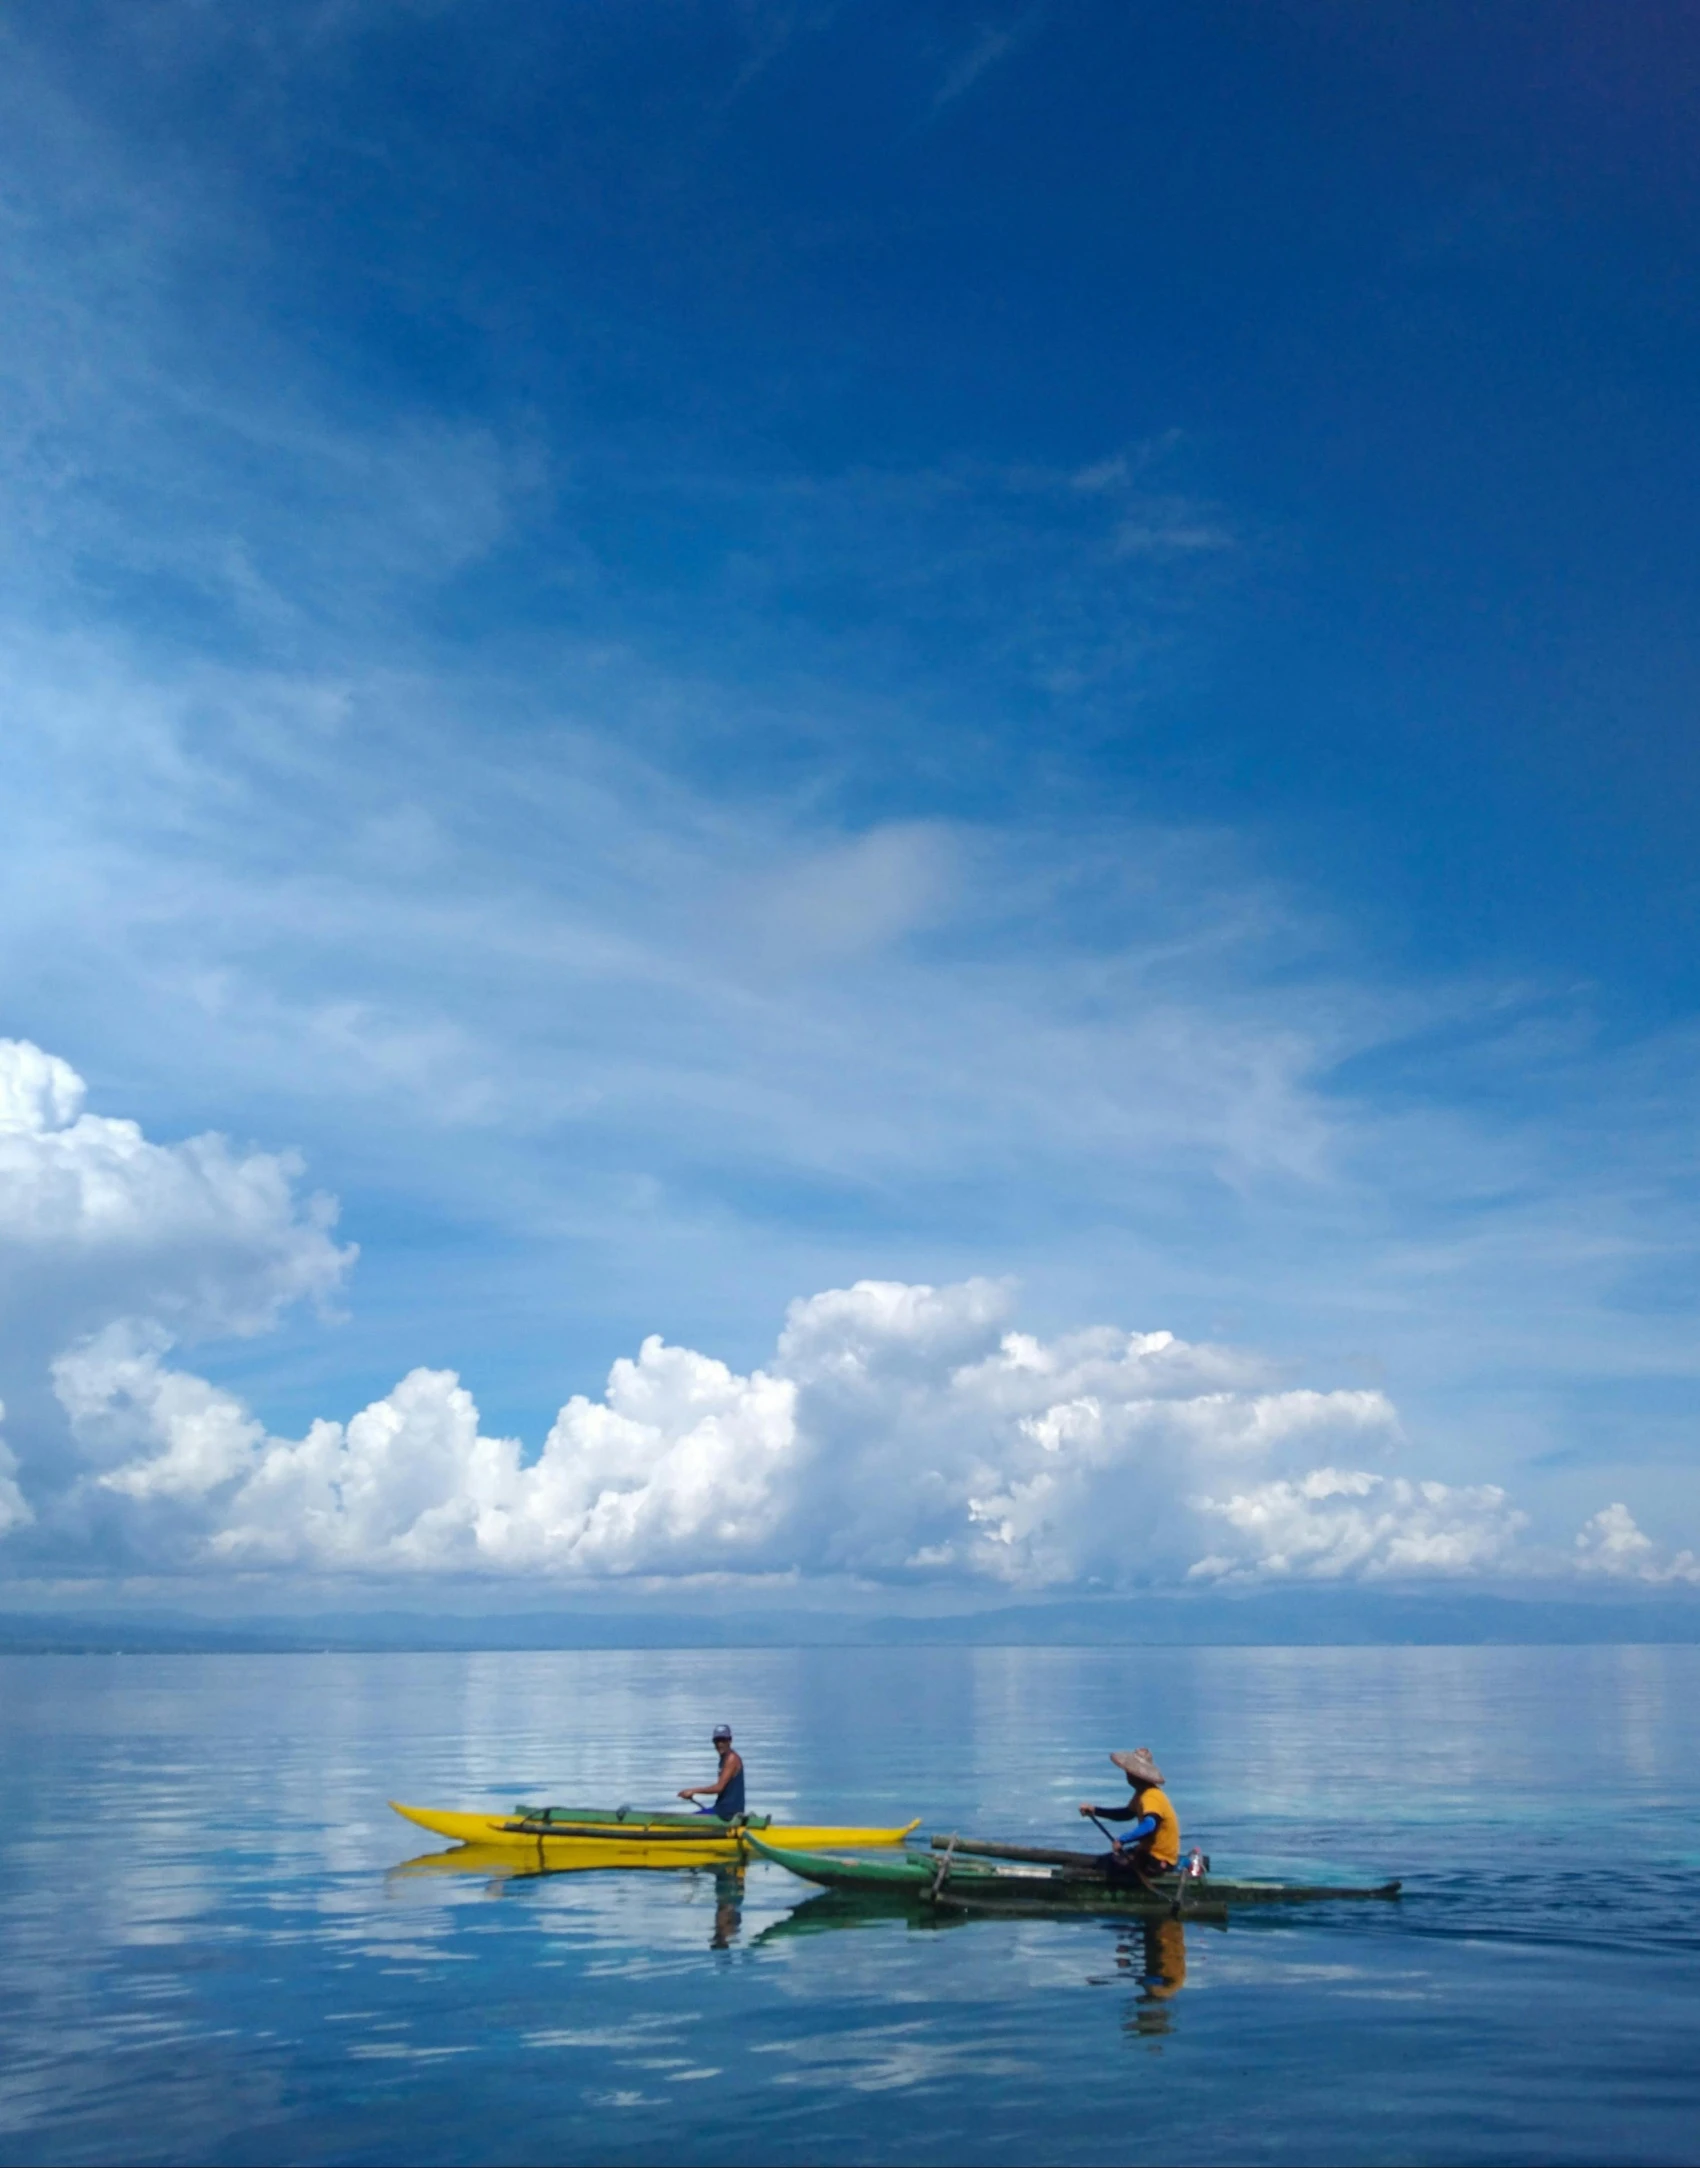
731	1800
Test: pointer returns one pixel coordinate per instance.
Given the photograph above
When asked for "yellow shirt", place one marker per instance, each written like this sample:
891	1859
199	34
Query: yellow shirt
1165	1839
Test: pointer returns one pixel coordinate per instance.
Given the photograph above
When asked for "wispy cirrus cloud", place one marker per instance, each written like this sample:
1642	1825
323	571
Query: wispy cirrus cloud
992	43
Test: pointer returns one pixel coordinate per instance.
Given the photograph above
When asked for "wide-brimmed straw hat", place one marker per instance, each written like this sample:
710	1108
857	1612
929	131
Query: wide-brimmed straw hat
1139	1765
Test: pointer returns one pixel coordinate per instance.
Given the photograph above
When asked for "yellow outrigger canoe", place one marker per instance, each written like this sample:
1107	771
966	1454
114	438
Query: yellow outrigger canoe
596	1837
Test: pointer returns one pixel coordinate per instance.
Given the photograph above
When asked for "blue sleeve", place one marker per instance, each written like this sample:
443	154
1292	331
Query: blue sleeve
1144	1827
1118	1814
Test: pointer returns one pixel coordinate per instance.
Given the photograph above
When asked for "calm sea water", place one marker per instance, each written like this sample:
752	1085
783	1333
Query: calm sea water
217	1944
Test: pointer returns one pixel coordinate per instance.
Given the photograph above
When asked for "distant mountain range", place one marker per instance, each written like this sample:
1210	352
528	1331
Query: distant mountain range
1284	1618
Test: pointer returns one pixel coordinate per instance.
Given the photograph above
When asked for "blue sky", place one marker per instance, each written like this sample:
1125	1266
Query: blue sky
712	652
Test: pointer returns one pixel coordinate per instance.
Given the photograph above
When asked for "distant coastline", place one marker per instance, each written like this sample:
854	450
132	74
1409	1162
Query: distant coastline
1290	1619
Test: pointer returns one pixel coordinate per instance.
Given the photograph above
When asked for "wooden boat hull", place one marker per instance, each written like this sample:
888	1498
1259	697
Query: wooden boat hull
980	1883
637	1841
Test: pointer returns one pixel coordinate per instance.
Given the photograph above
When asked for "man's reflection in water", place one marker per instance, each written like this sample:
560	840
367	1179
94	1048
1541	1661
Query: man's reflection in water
728	1907
1161	1957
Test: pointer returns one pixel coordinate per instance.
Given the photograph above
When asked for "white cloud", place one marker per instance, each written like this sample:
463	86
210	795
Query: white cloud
849	899
15	1509
1611	1544
1336	1524
119	1397
680	1468
112	1247
902	1431
97	1222
38	1092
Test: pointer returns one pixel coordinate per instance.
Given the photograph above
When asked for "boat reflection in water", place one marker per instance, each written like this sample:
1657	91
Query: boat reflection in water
497	1865
835	1910
494	1865
1157	1961
1152	1956
728	1907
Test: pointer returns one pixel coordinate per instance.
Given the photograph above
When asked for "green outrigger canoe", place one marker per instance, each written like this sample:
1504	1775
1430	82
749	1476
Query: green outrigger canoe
966	1874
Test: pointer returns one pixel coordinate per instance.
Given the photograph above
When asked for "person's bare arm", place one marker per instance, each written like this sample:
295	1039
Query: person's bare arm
729	1770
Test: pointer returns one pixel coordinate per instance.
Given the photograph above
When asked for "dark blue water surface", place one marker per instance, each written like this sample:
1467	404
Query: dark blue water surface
217	1943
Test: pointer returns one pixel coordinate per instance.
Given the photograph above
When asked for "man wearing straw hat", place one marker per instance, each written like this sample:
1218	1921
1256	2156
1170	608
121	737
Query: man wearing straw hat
1153	1844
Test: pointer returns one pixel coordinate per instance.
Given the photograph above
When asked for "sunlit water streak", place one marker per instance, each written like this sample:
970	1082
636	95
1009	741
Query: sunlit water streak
212	1948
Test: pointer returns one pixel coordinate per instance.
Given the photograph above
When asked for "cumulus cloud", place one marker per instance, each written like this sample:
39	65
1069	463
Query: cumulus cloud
123	1403
14	1506
96	1221
112	1248
1334	1524
679	1468
901	1432
1612	1545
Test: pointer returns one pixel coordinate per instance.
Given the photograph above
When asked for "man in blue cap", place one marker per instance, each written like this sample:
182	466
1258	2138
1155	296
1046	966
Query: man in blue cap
727	1790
